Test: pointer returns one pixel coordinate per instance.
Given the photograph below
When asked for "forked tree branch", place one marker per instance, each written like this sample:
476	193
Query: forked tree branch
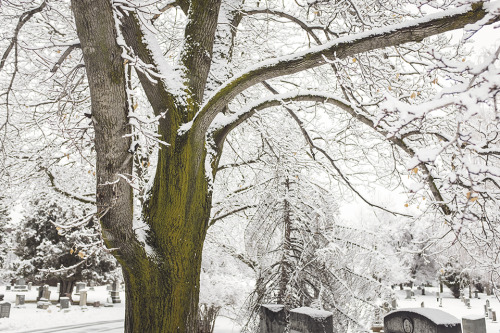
25	17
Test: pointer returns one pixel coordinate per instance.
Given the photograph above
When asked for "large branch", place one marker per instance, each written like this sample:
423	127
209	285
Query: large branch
415	30
224	124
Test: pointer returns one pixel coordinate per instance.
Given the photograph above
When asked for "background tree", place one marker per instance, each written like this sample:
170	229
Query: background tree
51	250
192	62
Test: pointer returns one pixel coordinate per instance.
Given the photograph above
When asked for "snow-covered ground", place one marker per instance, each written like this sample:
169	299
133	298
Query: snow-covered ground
109	319
30	319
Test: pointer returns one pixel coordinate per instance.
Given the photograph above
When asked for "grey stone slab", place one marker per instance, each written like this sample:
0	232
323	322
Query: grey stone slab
421	320
473	324
309	320
272	318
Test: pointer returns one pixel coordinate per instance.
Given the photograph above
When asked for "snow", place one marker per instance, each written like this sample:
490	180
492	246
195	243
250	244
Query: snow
103	319
452	305
110	319
314	313
273	307
438	317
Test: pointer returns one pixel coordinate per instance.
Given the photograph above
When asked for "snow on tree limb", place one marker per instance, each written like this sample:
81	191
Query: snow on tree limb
377	38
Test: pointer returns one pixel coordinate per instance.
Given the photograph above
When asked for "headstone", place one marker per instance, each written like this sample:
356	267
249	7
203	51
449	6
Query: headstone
309	320
4	310
473	324
467	302
394	304
109	287
494	316
64	302
20	298
83	298
40	293
7	288
486	311
21	282
487	303
408	294
115	293
97	304
476	294
423	290
115	296
422	305
42	304
437	296
441	287
92	285
440	302
272	318
1	297
421	320
46	292
490	315
79	286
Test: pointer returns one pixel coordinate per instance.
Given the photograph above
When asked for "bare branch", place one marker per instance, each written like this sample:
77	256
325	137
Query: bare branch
64	56
59	189
25	17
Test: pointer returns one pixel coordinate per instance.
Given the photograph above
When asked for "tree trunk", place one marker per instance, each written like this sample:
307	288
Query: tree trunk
162	286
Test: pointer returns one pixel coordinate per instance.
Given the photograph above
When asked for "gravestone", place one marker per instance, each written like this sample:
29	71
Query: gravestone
494	316
394	303
309	320
421	320
42	304
408	294
64	302
97	304
4	310
1	297
473	324
83	298
46	292
115	293
20	299
30	284
423	291
21	282
272	318
437	296
476	294
40	293
440	302
79	286
8	288
92	285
